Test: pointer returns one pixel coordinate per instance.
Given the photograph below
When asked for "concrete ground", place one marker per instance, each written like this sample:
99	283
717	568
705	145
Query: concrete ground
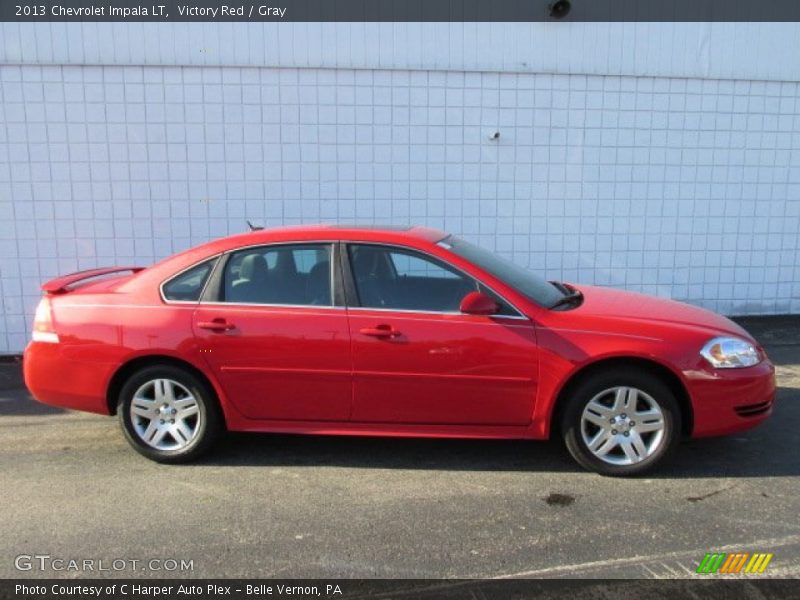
283	506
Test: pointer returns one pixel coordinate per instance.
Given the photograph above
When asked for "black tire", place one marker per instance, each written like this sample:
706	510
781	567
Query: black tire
207	426
589	388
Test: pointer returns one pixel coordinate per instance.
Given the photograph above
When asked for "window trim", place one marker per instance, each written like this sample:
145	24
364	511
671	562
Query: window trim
356	305
344	293
226	257
214	257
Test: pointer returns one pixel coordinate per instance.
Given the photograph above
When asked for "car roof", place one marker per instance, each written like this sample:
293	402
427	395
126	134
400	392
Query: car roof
411	236
325	232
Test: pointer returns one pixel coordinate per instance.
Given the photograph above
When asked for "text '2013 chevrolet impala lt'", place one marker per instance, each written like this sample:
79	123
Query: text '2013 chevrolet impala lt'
388	331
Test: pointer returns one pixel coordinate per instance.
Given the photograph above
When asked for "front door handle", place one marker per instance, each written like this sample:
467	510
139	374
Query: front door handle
380	331
218	325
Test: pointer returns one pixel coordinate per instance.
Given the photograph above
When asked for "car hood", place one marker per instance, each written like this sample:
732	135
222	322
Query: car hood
619	305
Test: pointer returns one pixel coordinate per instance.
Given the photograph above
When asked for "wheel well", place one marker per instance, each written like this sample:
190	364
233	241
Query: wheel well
130	367
642	364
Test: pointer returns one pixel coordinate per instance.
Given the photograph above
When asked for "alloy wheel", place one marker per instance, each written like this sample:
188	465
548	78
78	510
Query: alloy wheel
165	415
622	425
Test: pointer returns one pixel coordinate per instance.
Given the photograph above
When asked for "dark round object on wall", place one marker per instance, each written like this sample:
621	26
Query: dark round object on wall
560	9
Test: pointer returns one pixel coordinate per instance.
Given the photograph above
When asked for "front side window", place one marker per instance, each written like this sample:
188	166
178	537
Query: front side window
285	274
187	286
524	281
399	279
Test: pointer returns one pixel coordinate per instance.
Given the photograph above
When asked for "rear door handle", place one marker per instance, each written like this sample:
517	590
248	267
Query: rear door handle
380	331
218	325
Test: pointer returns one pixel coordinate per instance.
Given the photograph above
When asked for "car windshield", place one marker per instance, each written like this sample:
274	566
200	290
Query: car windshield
525	282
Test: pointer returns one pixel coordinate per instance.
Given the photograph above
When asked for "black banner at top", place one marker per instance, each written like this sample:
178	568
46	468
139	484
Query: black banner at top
400	10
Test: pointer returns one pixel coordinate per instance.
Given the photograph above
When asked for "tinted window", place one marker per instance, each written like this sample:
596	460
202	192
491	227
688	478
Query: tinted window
189	285
531	285
399	279
283	274
408	265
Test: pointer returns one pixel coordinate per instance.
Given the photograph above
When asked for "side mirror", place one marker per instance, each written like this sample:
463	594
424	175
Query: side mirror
476	303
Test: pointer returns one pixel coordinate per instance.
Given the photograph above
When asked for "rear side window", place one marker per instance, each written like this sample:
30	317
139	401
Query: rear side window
285	274
187	286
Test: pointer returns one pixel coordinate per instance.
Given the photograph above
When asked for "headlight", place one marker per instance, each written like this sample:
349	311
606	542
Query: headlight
730	353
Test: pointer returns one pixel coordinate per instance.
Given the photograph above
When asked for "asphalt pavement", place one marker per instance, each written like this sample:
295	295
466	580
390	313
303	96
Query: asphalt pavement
293	506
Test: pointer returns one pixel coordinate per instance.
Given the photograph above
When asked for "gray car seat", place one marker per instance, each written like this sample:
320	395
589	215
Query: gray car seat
253	282
374	279
318	284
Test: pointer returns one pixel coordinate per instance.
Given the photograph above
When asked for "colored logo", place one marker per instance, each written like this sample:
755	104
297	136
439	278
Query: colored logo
736	562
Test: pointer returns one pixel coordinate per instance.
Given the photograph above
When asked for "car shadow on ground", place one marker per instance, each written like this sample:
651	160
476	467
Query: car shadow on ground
760	452
784	356
240	449
12	406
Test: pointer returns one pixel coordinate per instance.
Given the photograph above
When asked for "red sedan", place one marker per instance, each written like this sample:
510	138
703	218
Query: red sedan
390	332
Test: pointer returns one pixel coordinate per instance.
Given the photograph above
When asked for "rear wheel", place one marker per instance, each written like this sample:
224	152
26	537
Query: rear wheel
168	414
621	423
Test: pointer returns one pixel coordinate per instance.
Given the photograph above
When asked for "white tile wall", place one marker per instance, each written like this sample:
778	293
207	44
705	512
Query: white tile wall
681	187
759	51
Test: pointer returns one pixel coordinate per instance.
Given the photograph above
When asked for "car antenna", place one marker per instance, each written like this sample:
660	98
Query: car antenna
254	227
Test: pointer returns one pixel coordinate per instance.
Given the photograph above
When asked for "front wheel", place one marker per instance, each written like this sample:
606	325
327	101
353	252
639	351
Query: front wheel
168	414
621	423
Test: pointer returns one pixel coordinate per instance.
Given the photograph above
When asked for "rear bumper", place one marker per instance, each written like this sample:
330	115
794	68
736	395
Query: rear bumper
730	400
54	376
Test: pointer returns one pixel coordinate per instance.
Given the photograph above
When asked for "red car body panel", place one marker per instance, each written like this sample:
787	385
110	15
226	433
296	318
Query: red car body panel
314	370
443	370
266	374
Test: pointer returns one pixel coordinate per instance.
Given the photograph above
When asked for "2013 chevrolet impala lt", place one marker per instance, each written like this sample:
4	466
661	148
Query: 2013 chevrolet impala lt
390	332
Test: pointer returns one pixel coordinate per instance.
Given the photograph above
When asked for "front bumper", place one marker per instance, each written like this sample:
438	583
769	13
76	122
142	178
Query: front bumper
729	400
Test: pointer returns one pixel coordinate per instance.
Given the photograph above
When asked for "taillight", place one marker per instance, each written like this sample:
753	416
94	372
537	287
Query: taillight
43	330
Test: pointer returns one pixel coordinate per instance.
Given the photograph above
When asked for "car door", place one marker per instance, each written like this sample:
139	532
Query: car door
275	335
418	360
